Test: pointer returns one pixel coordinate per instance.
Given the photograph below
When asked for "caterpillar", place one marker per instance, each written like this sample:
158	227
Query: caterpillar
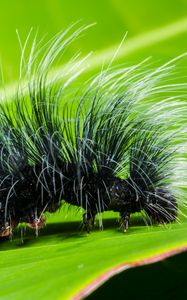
99	147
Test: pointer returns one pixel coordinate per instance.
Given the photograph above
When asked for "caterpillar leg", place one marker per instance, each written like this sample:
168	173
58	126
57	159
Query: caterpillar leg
88	220
124	221
6	230
37	223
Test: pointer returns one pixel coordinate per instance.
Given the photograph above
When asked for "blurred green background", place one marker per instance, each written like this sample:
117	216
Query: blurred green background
156	28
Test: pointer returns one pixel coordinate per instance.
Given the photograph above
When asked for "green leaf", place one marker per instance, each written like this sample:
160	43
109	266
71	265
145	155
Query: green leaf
63	262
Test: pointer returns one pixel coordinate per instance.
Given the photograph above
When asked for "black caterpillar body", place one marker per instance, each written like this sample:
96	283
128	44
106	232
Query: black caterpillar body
97	150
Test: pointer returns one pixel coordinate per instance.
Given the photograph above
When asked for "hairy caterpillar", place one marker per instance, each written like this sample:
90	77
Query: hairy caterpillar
99	148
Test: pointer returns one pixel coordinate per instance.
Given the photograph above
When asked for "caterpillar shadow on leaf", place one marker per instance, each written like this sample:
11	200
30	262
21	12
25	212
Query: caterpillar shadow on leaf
63	232
110	144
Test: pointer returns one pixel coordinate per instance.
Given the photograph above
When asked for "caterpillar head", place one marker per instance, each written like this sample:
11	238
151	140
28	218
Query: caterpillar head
159	204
